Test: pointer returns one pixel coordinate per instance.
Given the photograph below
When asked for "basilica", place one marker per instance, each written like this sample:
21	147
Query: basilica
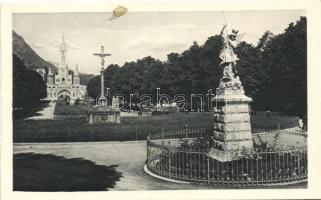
64	83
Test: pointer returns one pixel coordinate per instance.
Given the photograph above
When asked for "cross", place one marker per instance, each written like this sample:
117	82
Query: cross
102	55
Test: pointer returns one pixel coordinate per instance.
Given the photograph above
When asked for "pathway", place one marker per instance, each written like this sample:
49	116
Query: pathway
129	156
45	113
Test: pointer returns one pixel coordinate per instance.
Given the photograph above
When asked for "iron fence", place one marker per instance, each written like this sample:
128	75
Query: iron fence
276	163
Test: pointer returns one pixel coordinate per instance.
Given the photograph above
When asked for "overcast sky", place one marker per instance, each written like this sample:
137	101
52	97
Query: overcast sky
137	34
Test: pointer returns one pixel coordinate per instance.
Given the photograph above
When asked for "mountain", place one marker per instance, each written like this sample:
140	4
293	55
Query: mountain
28	55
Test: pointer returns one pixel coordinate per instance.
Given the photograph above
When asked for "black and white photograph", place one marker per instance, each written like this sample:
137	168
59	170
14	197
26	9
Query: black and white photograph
127	100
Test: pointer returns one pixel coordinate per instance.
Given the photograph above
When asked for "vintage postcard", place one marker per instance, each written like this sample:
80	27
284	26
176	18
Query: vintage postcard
180	100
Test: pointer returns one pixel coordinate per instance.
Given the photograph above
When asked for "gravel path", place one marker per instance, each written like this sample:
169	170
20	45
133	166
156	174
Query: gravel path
45	113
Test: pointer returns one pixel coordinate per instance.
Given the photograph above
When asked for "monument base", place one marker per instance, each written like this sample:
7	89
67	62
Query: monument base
232	128
99	117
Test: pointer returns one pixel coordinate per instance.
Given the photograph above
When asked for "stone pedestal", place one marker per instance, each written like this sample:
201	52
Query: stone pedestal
115	103
232	128
100	116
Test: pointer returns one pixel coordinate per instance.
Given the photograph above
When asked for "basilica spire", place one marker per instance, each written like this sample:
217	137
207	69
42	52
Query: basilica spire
76	71
63	51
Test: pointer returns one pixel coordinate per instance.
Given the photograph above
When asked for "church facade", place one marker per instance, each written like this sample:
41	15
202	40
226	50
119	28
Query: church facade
64	82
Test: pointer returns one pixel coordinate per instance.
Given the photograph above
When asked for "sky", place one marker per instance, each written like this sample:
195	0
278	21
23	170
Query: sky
138	34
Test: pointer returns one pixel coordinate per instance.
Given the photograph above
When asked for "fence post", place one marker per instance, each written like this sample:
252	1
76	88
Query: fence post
169	163
208	169
148	153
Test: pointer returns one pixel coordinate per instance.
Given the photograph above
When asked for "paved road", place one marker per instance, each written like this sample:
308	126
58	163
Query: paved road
129	156
45	113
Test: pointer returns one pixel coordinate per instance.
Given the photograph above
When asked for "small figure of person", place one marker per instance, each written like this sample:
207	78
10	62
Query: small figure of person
305	122
268	113
300	123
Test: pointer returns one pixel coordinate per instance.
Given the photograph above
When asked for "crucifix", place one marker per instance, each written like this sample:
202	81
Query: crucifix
102	55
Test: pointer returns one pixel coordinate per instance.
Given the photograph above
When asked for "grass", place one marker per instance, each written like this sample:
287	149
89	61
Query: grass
78	130
129	129
50	173
63	109
261	120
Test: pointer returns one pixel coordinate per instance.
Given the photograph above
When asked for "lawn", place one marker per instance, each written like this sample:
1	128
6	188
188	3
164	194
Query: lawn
130	128
74	130
275	120
63	109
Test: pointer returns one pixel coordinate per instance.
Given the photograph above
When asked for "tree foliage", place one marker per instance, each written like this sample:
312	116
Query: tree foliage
284	59
28	86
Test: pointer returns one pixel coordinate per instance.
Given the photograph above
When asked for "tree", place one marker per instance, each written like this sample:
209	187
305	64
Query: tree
264	40
251	72
28	86
93	87
285	60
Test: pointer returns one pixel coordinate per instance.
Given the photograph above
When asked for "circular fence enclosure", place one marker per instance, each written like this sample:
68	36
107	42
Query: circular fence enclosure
279	158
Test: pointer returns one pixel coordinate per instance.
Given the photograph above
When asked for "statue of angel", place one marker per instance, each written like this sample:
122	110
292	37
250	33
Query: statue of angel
227	54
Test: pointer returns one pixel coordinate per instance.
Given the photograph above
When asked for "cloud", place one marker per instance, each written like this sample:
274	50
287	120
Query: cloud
70	44
172	46
159	48
37	45
139	43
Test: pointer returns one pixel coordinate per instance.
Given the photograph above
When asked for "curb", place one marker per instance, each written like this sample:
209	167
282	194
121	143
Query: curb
147	171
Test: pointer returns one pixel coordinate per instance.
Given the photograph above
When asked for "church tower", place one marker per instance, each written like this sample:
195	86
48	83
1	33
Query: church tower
50	77
76	76
50	84
63	51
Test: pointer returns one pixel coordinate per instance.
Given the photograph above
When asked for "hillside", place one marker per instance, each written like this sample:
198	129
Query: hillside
27	54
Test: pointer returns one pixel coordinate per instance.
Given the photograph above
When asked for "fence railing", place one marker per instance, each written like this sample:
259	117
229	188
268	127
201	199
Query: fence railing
178	134
282	164
200	132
